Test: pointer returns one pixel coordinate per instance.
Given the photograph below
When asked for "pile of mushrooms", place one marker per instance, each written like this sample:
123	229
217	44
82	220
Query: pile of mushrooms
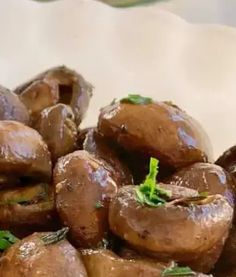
137	195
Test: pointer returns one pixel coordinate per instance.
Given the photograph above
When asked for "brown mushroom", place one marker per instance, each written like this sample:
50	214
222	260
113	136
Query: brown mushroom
57	126
42	254
84	186
11	108
177	230
56	85
27	209
97	145
205	177
228	160
159	130
23	153
226	265
104	263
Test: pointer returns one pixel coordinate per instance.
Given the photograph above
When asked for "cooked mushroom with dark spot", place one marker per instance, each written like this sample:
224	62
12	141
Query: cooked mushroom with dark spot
56	85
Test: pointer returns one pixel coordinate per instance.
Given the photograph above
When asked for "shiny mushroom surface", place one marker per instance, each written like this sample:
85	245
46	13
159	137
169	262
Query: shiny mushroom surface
157	129
25	209
104	263
23	152
11	108
177	230
84	186
56	85
57	126
205	177
42	255
97	145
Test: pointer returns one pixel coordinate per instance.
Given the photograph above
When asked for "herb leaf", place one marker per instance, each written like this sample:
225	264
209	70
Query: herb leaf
178	271
137	99
99	205
55	236
204	194
149	192
6	240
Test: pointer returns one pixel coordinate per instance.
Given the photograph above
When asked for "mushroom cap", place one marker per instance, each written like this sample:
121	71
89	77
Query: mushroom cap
31	257
56	85
11	108
172	231
23	152
62	137
159	130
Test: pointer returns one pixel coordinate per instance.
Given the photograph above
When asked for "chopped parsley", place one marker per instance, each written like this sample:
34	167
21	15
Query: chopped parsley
99	205
55	237
149	192
204	194
137	99
6	240
178	271
104	244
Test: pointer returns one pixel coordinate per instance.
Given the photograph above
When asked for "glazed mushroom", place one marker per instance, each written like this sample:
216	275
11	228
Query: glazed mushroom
56	85
42	254
178	230
101	263
97	145
227	261
11	108
27	209
158	129
23	153
84	186
205	177
57	126
228	160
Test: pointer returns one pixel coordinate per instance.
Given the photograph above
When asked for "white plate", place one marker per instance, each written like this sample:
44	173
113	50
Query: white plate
143	50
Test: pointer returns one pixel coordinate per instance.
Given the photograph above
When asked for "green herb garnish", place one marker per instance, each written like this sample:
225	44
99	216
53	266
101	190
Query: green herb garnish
6	240
137	99
150	193
126	3
204	194
178	271
55	236
104	243
99	205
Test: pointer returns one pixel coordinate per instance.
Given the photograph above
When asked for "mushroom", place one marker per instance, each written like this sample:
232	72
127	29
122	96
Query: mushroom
11	108
56	85
178	230
104	263
84	186
225	266
23	153
27	209
205	177
57	126
228	160
97	145
156	129
42	254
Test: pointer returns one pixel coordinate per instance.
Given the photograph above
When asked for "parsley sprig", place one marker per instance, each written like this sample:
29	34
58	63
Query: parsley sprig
149	192
137	99
55	237
176	270
6	240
